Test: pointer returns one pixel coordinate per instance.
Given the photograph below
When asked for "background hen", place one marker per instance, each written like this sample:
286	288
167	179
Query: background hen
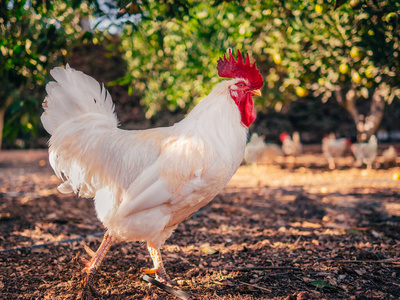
259	152
389	157
333	148
254	149
291	146
365	152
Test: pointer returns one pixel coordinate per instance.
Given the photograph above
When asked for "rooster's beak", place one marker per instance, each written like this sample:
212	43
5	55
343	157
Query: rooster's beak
256	92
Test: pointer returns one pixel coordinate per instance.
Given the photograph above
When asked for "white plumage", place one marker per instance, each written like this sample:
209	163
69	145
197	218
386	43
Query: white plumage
258	152
144	182
365	153
389	156
254	149
291	146
333	148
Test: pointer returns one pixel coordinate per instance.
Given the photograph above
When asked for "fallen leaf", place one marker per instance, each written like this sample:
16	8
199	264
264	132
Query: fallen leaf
207	249
322	284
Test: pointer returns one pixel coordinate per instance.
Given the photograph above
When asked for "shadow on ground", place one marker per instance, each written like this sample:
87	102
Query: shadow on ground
273	233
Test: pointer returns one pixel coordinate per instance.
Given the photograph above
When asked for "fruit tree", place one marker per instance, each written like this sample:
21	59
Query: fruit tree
350	54
348	51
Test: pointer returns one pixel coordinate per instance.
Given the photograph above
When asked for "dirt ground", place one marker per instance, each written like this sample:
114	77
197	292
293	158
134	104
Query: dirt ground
291	230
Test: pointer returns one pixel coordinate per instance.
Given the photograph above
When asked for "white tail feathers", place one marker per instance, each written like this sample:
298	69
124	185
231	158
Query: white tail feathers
79	114
73	95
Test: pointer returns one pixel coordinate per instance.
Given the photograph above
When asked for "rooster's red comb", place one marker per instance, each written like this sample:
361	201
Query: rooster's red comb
237	69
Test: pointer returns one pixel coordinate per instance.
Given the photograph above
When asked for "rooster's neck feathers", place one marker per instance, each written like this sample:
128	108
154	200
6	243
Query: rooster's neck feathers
218	107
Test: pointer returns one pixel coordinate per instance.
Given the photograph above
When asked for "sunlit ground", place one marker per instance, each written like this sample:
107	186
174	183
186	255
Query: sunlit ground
290	228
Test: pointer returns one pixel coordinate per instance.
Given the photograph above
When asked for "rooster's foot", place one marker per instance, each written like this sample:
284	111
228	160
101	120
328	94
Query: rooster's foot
92	265
161	276
88	273
88	291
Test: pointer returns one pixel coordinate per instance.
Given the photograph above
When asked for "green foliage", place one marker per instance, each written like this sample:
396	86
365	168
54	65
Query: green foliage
33	36
22	121
172	61
322	49
300	47
303	48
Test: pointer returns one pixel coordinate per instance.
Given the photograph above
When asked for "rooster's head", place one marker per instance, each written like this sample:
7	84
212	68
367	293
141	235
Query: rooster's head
249	84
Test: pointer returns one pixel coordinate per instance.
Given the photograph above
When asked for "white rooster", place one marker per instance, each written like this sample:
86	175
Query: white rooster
145	182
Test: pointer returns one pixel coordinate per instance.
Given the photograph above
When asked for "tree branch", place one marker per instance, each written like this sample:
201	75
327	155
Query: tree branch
339	96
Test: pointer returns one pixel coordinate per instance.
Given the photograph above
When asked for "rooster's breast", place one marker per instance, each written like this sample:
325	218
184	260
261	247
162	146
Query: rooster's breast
189	172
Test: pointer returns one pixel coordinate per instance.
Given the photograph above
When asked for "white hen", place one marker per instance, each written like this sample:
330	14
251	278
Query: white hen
254	149
365	152
389	156
291	146
258	152
333	148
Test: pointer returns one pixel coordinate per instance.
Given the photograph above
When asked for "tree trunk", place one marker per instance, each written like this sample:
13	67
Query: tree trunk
373	120
3	108
366	125
2	112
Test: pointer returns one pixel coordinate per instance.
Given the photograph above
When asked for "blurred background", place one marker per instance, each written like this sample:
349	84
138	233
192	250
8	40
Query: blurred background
329	66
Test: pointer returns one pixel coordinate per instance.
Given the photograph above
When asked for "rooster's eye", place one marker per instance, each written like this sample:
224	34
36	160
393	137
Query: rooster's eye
241	84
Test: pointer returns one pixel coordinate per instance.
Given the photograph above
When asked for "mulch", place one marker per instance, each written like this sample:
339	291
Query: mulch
289	230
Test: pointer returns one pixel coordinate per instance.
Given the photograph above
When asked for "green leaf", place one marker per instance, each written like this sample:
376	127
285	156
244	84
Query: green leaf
121	81
322	284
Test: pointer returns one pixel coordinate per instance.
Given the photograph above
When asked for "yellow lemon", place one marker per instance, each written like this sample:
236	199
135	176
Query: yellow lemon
344	68
301	92
356	77
277	59
319	9
355	52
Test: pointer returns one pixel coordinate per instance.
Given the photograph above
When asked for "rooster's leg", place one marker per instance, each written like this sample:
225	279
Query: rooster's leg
92	265
158	269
